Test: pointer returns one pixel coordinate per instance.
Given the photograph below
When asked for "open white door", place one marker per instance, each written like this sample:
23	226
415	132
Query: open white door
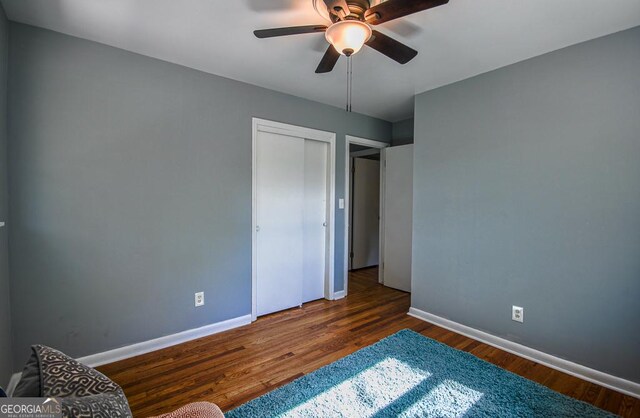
398	217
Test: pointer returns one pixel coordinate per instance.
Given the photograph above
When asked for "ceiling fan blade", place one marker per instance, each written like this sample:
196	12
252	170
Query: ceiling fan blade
391	48
339	8
393	9
291	30
328	60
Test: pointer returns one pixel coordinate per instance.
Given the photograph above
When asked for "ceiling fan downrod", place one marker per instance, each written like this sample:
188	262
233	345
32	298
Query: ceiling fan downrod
349	83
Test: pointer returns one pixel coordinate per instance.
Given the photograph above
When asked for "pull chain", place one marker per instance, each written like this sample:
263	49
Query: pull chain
349	83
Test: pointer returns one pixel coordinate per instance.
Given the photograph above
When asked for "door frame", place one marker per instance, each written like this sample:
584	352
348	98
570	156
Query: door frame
263	125
349	139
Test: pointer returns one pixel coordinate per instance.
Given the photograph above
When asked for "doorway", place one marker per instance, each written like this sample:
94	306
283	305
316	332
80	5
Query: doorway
292	216
364	214
395	212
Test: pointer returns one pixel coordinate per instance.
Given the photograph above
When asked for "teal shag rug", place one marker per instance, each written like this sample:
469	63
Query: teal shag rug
409	375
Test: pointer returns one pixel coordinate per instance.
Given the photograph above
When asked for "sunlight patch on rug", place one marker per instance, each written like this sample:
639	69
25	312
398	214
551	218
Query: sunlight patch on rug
447	400
366	393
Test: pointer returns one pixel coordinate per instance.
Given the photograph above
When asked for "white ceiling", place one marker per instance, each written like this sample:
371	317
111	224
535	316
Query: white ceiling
455	41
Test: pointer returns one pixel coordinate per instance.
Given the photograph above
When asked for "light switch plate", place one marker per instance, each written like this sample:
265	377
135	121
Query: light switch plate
340	203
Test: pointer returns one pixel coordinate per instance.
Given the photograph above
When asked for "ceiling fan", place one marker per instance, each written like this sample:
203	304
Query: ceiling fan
351	28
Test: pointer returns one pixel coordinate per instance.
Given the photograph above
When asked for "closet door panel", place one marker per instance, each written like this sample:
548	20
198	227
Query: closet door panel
314	219
280	218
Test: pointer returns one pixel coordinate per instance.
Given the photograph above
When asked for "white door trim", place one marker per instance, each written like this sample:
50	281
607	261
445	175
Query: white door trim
365	153
347	203
264	125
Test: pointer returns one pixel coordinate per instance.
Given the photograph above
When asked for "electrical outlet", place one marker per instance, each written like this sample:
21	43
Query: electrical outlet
517	313
199	298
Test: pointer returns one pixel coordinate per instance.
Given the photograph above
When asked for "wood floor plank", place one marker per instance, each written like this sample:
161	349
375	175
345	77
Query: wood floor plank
629	407
236	366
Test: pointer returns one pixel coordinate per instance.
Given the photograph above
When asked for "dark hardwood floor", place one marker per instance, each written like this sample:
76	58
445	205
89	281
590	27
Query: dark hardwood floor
236	366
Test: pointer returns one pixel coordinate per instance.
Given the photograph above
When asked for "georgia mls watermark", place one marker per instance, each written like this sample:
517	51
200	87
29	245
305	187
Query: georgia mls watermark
30	408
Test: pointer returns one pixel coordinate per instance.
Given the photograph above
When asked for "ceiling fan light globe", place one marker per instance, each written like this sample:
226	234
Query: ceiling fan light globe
348	36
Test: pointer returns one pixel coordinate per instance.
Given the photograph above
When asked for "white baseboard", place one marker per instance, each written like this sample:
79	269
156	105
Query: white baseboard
612	382
144	347
338	295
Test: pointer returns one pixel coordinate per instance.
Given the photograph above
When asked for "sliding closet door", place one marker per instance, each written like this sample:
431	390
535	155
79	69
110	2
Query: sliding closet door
315	219
280	237
291	212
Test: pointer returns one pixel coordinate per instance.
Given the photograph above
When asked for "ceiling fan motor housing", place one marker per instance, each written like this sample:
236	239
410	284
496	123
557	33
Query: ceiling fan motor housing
357	8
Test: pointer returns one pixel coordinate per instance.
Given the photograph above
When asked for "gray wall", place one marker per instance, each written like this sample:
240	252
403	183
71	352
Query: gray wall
5	312
131	190
402	132
527	192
